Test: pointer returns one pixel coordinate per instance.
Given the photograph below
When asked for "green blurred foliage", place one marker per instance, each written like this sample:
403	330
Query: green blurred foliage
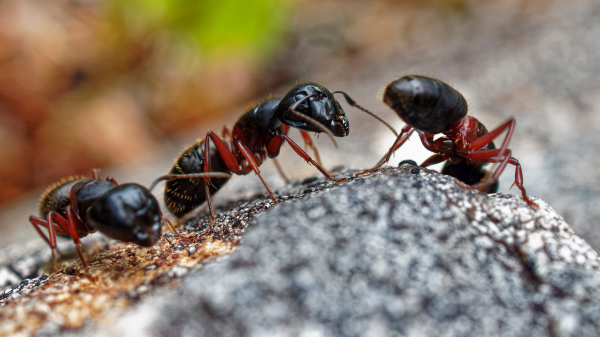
215	27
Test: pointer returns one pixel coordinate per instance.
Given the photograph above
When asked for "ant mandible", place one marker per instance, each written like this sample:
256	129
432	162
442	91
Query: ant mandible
257	134
431	106
75	207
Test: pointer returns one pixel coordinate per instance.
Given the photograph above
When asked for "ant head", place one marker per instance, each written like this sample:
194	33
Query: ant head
129	213
317	103
425	103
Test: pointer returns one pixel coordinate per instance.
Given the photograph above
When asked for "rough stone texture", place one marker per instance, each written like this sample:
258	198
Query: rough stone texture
403	252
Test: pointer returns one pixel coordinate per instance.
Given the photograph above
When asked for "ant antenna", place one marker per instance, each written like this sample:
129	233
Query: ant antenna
353	103
292	110
191	175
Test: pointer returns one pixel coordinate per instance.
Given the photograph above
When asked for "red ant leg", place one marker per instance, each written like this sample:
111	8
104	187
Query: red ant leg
280	170
406	132
489	137
494	156
308	142
228	158
112	180
96	175
436	158
251	159
68	227
51	238
427	141
226	133
71	227
275	145
286	128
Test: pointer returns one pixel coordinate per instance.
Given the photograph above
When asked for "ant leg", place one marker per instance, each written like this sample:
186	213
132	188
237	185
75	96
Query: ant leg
170	225
286	128
226	133
112	180
228	158
251	161
489	137
71	229
308	142
275	145
68	227
406	132
436	158
51	238
280	170
495	156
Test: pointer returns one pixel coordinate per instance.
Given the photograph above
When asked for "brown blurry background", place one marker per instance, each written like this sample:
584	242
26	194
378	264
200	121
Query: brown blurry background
124	85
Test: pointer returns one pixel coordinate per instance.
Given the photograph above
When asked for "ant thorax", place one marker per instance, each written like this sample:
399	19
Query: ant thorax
467	128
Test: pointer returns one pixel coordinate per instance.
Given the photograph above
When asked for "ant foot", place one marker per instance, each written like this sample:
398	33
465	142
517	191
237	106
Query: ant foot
362	173
531	204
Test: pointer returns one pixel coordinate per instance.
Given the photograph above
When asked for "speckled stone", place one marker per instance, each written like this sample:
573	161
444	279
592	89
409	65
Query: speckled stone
404	251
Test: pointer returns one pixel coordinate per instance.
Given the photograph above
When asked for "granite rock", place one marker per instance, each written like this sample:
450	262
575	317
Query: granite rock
401	252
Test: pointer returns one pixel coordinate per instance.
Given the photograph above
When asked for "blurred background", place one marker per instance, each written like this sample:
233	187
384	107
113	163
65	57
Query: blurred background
124	85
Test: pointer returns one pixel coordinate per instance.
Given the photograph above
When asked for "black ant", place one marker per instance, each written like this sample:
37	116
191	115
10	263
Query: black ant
257	134
75	207
431	106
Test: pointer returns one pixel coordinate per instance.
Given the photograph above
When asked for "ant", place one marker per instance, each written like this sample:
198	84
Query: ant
431	106
75	207
257	134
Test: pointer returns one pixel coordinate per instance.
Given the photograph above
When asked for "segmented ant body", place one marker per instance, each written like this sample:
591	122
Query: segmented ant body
258	133
76	207
430	107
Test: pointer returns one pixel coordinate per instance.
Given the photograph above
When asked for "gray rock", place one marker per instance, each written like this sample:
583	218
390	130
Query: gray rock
395	254
401	252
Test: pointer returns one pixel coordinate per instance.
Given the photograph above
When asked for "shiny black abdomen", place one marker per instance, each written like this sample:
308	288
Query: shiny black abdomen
183	195
425	103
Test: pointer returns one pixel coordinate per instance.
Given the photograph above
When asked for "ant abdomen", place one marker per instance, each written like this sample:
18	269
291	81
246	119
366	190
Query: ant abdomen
425	103
183	195
58	196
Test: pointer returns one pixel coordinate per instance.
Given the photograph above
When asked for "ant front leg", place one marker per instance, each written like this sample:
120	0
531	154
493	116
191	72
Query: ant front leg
56	223
436	158
252	161
406	132
51	238
226	133
232	163
496	156
308	142
489	137
276	143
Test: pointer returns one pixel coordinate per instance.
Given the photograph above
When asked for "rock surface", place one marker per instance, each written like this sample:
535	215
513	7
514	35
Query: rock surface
401	252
